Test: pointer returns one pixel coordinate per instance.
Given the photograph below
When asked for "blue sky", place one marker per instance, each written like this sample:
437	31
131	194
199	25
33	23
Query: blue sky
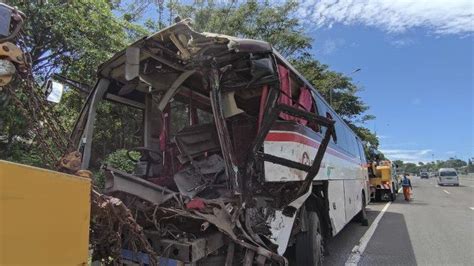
417	70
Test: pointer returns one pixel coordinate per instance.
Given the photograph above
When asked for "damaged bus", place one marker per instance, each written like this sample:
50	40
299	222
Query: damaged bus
260	168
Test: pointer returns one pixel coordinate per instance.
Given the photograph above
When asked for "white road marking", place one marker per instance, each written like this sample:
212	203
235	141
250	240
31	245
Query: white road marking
472	208
446	191
358	250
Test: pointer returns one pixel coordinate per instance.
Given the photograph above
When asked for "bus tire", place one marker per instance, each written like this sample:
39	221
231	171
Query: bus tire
362	215
309	244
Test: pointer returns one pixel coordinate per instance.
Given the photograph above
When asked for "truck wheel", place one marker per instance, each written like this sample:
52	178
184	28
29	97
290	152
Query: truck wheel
309	244
362	215
393	197
378	195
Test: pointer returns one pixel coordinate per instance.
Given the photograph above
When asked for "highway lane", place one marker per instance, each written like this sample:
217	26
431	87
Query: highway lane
436	228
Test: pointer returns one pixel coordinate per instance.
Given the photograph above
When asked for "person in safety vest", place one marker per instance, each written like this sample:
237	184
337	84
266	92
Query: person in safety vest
406	184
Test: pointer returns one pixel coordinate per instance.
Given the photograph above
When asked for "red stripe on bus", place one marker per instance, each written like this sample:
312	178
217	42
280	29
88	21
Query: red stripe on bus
285	136
294	137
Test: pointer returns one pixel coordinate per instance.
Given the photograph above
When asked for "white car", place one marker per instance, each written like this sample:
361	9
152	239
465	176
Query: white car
448	176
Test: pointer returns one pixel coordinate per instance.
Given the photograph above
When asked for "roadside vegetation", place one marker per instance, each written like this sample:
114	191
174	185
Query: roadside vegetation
460	165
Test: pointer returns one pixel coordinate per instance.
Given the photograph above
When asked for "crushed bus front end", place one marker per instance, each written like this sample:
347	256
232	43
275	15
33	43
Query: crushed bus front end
205	185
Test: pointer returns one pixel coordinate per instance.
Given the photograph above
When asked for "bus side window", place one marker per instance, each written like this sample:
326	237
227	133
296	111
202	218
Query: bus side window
311	124
337	129
314	109
361	151
343	138
321	110
352	142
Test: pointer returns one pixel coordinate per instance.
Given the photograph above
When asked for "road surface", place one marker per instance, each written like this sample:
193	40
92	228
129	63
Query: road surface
435	228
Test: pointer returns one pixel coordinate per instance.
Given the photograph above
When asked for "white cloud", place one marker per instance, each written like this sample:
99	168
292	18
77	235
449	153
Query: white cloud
330	45
401	42
413	156
440	17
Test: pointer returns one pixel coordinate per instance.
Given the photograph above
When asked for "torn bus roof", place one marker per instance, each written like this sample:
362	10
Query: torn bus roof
180	41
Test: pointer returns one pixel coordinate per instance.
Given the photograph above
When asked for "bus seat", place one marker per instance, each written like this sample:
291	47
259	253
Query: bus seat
197	140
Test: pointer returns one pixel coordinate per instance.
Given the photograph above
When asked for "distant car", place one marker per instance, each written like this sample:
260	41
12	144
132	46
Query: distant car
448	176
424	175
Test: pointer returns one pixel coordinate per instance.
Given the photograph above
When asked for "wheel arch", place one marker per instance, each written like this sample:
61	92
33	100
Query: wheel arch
318	202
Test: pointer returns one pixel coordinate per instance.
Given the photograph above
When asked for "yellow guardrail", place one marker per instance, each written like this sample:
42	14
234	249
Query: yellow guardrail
44	216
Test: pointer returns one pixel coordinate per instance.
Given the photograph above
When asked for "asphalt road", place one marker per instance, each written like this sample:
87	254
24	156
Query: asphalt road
435	228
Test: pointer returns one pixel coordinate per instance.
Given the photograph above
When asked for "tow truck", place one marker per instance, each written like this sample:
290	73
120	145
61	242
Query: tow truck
383	178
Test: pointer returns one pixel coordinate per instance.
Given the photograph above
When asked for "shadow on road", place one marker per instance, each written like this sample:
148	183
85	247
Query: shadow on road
339	248
390	244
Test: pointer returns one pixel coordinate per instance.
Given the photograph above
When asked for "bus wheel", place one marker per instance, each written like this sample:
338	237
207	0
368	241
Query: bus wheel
362	215
309	244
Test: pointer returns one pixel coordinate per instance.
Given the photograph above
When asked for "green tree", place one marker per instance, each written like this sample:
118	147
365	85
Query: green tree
118	160
72	37
264	20
398	162
339	91
470	166
454	163
411	168
67	37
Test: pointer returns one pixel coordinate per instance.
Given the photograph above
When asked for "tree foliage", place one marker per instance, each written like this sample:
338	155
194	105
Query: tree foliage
263	20
118	160
71	38
339	91
470	165
74	37
433	166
